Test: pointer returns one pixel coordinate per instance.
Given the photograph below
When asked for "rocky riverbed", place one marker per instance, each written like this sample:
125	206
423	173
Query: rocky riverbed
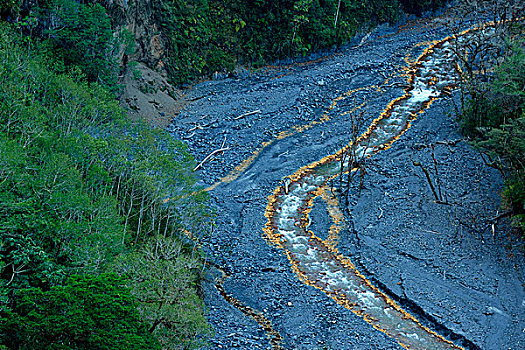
445	264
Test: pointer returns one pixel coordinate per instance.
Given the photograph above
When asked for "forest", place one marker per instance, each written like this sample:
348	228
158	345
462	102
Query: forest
91	256
207	36
95	208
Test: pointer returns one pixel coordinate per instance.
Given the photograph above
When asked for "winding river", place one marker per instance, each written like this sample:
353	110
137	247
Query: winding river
318	263
254	276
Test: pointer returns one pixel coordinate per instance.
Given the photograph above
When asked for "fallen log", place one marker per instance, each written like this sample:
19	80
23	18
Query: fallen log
247	114
209	156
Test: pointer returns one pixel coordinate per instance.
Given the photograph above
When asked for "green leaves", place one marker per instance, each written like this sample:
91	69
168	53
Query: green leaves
10	7
80	186
204	37
495	115
88	312
164	280
418	7
510	78
505	148
26	264
82	36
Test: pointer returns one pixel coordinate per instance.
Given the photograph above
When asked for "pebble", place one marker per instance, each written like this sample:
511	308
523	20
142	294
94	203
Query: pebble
294	301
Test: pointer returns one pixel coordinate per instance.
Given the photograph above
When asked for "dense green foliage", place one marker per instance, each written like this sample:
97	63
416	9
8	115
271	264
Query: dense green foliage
204	36
87	312
9	7
82	192
491	78
78	36
81	36
494	116
159	275
419	6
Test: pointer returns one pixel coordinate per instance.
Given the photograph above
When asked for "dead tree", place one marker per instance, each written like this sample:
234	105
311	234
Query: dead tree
478	52
435	184
353	159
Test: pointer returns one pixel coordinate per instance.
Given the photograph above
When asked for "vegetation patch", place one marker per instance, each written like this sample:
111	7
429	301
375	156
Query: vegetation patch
491	76
82	193
206	36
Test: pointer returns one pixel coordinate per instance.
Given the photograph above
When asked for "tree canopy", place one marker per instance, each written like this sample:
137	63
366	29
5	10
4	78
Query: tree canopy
81	187
87	312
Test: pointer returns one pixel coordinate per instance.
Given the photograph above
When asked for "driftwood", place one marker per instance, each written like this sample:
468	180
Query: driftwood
203	126
420	146
396	84
209	156
197	126
364	39
247	114
189	136
497	218
449	142
429	180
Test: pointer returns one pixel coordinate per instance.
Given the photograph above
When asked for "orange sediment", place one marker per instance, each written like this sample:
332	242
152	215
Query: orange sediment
339	264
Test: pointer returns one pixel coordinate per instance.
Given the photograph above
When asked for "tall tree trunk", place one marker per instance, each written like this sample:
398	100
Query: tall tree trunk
141	215
337	13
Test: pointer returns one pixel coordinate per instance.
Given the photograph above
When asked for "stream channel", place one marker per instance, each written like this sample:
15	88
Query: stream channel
398	270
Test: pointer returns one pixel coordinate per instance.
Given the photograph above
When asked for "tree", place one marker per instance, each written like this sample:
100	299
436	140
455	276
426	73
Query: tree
88	312
81	36
418	7
491	76
9	7
165	281
505	148
79	186
353	157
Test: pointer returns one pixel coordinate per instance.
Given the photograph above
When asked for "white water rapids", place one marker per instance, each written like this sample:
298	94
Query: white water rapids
320	265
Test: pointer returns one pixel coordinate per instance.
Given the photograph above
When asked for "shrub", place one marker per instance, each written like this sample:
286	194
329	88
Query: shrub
495	117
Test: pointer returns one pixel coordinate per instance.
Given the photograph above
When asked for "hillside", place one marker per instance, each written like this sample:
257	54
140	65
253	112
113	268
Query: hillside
86	239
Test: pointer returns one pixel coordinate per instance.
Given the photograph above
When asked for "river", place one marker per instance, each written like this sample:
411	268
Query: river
397	270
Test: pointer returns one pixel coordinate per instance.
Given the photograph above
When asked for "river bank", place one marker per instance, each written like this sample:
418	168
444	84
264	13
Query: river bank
442	261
